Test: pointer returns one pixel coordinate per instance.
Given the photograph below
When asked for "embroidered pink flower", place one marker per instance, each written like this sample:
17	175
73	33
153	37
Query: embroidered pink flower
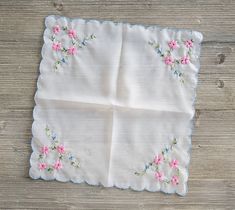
58	165
185	60
60	149
168	60
189	43
173	44
42	166
72	50
174	163
159	176
158	159
175	180
56	46
56	29
72	33
45	150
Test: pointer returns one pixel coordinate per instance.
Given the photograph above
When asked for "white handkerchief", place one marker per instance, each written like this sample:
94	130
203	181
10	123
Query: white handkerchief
114	105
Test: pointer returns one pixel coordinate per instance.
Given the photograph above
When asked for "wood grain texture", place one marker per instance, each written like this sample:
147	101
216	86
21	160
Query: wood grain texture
212	168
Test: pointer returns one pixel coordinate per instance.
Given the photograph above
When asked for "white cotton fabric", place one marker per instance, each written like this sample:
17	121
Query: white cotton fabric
115	104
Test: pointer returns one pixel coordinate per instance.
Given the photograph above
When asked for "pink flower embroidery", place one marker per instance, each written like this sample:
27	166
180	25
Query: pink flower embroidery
72	50
60	149
173	44
56	29
45	150
174	163
163	157
158	159
58	165
56	46
185	60
159	176
56	149
168	60
189	43
175	180
72	33
42	166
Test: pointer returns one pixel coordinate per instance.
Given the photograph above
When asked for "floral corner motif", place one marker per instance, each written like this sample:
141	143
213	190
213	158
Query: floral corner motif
170	60
63	53
163	159
61	155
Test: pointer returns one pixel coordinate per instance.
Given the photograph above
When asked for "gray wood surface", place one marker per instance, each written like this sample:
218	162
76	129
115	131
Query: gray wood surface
212	169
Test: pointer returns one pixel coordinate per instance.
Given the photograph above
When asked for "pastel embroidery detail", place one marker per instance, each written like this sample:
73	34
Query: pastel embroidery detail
58	152
75	43
170	60
165	160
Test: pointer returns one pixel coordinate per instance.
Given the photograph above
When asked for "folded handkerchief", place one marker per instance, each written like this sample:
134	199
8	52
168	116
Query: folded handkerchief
114	104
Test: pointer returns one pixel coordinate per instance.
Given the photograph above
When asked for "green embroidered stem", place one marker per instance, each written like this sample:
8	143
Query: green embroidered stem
147	166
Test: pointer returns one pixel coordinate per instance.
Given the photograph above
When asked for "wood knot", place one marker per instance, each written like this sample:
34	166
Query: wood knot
58	5
2	125
141	206
221	58
220	83
196	117
15	149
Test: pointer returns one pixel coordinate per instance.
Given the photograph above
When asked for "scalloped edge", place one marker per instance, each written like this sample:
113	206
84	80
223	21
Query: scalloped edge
146	26
193	89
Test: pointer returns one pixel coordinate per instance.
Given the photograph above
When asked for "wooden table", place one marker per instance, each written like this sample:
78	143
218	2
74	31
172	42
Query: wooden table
212	169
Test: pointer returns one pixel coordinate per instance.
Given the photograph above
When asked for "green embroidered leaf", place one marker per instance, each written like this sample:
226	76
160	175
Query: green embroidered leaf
64	28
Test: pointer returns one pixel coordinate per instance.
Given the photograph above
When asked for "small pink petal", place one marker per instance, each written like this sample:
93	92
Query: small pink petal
56	29
185	60
175	180
158	159
159	176
72	33
189	43
72	50
173	44
174	163
168	60
56	46
60	149
44	150
58	165
42	166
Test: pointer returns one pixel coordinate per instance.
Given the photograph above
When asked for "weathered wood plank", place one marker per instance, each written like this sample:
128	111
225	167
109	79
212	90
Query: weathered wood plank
67	195
214	18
